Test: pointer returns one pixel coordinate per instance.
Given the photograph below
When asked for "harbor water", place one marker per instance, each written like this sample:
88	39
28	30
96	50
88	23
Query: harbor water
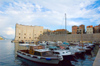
8	57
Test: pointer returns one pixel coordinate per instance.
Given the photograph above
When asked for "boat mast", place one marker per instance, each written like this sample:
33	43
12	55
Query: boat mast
65	28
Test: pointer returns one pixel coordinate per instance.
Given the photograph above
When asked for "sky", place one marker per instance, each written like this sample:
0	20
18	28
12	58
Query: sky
47	13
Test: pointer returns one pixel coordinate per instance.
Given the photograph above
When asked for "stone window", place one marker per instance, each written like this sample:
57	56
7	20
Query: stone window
38	37
74	31
24	37
35	37
29	37
40	31
19	37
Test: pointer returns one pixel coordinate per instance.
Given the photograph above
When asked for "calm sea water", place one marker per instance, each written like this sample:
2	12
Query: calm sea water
8	57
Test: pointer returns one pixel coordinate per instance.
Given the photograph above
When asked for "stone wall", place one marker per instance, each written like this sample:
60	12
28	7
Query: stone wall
71	37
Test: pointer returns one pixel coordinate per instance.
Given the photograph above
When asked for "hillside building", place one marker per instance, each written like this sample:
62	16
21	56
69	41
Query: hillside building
99	28
74	29
78	30
89	30
96	29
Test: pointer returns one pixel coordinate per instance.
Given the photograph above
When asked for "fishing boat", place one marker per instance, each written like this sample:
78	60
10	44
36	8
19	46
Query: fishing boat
67	55
89	45
38	54
60	50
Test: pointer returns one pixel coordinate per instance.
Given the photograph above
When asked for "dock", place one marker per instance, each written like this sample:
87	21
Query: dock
97	59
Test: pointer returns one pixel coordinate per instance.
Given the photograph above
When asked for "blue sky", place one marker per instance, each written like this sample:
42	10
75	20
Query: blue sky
47	13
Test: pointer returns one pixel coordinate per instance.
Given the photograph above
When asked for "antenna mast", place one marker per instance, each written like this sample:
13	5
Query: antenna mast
65	28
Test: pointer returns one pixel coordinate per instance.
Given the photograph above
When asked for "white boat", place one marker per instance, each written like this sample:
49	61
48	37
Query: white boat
76	43
76	49
51	43
88	45
47	43
66	54
39	55
59	42
83	49
42	42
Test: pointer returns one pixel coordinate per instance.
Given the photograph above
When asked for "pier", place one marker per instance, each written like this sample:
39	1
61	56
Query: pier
97	59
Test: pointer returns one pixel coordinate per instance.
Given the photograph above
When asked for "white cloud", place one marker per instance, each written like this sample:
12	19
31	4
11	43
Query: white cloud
1	12
32	13
9	31
71	23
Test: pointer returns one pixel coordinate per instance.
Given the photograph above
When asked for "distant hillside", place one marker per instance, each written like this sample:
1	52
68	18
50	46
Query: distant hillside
1	38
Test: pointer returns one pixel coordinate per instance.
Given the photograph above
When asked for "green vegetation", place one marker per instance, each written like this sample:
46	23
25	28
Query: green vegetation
69	33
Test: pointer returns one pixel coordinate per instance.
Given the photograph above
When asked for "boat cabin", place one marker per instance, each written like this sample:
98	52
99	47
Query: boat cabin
42	52
36	50
61	52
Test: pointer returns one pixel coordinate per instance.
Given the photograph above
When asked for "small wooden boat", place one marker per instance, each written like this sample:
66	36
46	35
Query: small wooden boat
38	54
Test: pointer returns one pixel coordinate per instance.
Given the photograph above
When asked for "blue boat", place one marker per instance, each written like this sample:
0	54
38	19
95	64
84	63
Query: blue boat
65	43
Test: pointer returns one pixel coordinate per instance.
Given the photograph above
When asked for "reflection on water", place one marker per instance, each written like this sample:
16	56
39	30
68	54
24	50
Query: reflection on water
8	57
86	59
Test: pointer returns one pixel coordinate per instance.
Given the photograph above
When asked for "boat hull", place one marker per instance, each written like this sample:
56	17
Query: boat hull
68	57
52	61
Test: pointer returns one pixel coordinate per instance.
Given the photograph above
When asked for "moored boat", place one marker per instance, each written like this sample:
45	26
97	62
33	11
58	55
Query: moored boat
60	50
38	54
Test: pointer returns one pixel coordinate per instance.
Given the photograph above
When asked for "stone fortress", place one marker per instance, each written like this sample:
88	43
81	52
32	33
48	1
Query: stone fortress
27	33
38	33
